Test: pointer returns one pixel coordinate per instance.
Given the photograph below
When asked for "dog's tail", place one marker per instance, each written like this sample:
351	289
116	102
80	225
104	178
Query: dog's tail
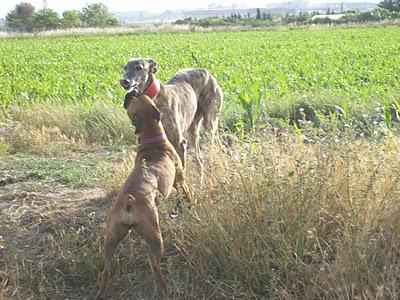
127	213
130	200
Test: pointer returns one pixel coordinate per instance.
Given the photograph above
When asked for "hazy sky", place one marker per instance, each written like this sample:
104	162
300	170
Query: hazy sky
132	5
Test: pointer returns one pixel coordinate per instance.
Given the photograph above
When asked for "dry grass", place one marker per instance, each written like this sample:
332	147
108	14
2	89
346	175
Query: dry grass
174	28
279	219
294	221
146	28
38	127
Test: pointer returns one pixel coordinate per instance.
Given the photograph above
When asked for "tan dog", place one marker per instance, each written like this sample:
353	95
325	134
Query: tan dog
157	169
189	97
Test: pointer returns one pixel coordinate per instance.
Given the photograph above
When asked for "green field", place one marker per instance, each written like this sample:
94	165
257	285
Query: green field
302	203
357	67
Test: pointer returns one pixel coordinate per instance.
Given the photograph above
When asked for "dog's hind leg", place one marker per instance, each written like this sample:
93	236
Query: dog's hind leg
211	111
150	230
194	141
115	232
211	125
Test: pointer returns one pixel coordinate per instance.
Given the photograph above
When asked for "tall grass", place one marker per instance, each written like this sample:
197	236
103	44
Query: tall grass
295	221
38	127
279	219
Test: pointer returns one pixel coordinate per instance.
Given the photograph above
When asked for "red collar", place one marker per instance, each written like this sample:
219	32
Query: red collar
153	140
153	89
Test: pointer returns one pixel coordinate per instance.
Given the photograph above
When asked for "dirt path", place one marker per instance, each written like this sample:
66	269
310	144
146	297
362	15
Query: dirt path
35	205
52	213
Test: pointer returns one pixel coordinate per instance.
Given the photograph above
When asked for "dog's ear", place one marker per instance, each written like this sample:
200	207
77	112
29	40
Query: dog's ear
153	66
127	100
137	123
156	114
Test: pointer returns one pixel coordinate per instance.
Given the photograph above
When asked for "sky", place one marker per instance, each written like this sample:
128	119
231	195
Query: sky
135	5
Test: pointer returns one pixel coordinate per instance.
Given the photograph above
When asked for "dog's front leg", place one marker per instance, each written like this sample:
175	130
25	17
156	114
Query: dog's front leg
182	189
180	186
183	151
186	193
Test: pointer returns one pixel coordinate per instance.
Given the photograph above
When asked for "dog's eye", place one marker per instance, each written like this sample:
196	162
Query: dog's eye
139	68
125	68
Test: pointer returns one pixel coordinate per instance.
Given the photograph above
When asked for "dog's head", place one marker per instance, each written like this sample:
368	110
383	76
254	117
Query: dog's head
142	111
137	73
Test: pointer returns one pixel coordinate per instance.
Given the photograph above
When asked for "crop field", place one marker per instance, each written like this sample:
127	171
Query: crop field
353	66
302	203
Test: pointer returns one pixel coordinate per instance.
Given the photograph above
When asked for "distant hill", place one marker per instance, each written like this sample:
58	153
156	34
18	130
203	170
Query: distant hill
278	9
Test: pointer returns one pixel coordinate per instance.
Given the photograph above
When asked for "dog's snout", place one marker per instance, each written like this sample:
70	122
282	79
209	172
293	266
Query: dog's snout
125	83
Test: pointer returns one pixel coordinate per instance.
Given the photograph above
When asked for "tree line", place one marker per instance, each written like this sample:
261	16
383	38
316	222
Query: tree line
390	5
24	17
386	10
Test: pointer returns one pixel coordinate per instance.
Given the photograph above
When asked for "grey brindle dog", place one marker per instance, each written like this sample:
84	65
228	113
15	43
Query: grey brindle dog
190	97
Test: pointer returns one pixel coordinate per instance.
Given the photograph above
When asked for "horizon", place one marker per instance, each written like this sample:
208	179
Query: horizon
155	6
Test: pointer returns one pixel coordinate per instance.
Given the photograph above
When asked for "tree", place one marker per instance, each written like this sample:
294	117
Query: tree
21	17
71	19
390	5
97	15
267	16
258	16
367	17
46	19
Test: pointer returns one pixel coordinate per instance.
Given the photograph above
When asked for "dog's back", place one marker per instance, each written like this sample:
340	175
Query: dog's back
201	80
209	96
155	168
